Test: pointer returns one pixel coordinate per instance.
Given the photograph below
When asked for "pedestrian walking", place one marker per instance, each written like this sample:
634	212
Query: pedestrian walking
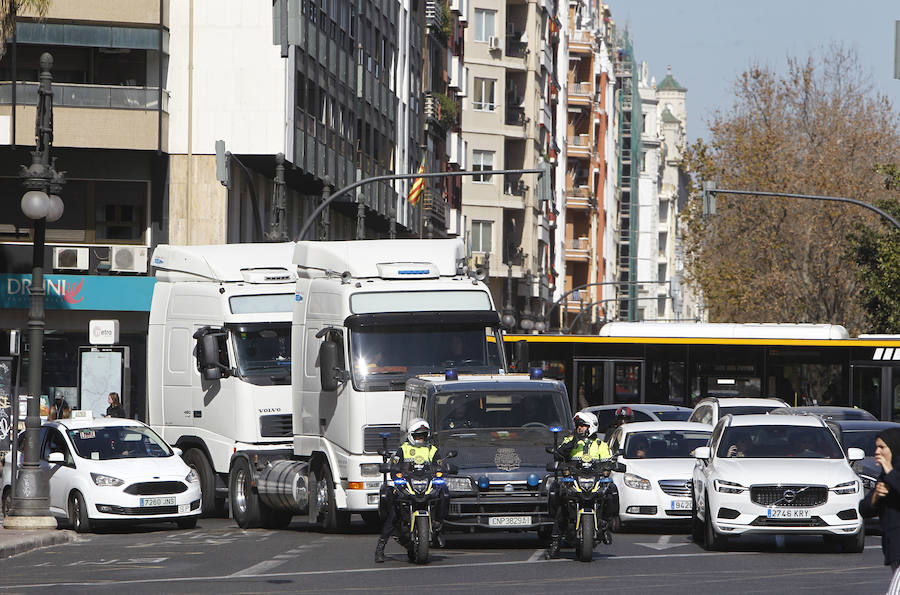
115	408
884	500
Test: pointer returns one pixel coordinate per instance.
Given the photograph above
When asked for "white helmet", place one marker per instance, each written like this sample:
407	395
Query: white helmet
586	418
417	426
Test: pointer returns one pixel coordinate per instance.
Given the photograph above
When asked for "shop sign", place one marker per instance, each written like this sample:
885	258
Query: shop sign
80	292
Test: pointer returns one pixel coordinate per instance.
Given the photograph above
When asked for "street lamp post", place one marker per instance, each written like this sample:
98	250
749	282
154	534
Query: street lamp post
40	203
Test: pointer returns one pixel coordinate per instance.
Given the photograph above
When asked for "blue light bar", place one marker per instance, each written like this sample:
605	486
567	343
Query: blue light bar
451	374
536	374
555	429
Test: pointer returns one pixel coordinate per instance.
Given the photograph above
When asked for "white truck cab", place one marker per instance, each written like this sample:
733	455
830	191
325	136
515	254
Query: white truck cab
219	354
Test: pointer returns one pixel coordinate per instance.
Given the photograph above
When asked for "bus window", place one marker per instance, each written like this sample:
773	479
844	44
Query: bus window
867	389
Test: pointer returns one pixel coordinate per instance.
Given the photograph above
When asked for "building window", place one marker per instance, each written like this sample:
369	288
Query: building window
484	95
481	236
484	24
482	161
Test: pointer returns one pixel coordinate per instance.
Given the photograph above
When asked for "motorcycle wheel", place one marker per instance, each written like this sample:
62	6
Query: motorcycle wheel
585	547
421	539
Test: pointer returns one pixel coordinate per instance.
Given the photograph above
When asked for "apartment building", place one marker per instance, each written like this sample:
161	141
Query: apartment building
508	122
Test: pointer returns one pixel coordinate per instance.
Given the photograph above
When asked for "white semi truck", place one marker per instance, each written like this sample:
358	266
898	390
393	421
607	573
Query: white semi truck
366	316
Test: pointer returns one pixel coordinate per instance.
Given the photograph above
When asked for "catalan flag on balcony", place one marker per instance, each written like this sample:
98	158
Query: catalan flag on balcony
418	186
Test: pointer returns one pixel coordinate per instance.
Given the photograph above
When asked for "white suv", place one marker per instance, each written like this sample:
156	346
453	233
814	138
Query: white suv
711	409
781	474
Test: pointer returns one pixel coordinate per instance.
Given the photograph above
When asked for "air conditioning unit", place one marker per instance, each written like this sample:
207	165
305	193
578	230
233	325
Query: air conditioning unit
70	259
493	43
128	259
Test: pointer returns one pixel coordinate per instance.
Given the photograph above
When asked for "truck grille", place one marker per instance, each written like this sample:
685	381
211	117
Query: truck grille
155	488
372	442
676	487
276	426
789	496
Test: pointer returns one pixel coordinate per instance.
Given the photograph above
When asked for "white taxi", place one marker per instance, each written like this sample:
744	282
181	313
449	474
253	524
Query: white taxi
781	474
659	459
113	470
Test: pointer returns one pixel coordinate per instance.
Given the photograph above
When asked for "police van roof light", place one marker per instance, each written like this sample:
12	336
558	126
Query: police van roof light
451	374
536	374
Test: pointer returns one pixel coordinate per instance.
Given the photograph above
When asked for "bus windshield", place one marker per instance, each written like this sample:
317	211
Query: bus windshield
385	356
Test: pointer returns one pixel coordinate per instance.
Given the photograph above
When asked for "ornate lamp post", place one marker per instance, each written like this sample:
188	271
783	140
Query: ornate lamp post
40	203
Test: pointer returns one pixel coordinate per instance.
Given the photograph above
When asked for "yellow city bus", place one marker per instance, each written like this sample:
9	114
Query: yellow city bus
679	363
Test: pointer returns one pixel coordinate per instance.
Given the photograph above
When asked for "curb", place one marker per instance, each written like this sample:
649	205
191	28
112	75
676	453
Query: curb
18	542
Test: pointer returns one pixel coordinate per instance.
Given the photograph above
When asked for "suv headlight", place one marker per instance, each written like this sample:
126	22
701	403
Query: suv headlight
369	469
850	487
106	481
868	482
636	481
728	487
192	477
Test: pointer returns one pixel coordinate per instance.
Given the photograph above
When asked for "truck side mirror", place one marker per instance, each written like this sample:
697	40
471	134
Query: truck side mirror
211	366
332	375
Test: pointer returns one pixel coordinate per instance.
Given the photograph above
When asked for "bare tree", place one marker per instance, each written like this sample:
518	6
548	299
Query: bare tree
818	129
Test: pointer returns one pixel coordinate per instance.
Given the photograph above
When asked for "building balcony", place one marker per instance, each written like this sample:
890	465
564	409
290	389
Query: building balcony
579	145
580	40
515	116
579	197
578	249
94	116
435	206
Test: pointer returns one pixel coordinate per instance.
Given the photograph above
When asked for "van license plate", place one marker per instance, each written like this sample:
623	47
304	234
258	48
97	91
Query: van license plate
167	501
509	521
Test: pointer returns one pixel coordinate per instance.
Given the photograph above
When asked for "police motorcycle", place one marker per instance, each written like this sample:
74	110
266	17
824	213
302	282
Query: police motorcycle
417	490
585	487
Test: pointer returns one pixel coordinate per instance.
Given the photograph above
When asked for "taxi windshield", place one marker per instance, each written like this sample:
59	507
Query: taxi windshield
118	442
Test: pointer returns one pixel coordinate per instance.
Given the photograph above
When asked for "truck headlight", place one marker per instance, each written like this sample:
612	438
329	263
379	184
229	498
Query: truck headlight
106	481
369	469
850	487
728	487
636	481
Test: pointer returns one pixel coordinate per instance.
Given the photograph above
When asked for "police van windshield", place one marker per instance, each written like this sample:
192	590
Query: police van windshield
495	410
385	356
263	350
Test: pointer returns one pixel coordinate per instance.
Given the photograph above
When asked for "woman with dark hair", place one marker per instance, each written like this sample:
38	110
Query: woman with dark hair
884	500
115	408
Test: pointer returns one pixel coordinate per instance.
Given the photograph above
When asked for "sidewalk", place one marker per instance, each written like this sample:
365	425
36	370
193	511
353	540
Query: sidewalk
14	542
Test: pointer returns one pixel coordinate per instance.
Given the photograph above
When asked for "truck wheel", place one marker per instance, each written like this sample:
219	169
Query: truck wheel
322	506
245	509
209	506
78	513
274	519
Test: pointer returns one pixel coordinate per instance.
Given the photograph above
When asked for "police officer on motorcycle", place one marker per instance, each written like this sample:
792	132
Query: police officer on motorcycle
584	442
417	449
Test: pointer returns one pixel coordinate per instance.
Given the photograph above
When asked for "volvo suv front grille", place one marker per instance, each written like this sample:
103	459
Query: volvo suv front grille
789	495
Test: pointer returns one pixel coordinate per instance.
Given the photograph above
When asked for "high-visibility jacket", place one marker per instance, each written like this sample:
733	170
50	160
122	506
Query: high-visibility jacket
412	453
575	448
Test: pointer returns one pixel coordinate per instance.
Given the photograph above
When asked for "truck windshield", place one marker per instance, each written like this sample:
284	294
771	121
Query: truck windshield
263	350
385	356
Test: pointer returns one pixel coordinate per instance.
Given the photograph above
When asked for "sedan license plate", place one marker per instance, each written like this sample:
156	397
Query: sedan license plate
509	521
788	513
166	501
680	505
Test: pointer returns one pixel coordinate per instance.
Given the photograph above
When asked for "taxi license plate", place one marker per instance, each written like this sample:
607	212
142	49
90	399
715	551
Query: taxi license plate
166	501
788	513
509	521
680	505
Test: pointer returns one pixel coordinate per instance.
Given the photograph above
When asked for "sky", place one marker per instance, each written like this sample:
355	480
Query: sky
708	43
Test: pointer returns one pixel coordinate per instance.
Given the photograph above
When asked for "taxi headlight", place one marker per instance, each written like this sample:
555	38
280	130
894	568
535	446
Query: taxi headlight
192	477
369	469
106	481
459	484
636	481
850	487
728	487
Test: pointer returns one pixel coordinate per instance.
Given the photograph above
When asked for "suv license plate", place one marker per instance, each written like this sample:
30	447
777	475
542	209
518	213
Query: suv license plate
167	501
509	521
789	513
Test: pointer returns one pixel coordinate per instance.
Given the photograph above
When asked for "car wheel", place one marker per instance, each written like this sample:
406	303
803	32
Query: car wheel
616	524
7	501
187	523
696	525
209	506
854	544
78	513
712	541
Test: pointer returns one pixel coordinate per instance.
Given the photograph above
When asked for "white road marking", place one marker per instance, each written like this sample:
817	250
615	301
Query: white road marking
260	568
227	577
537	556
662	543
